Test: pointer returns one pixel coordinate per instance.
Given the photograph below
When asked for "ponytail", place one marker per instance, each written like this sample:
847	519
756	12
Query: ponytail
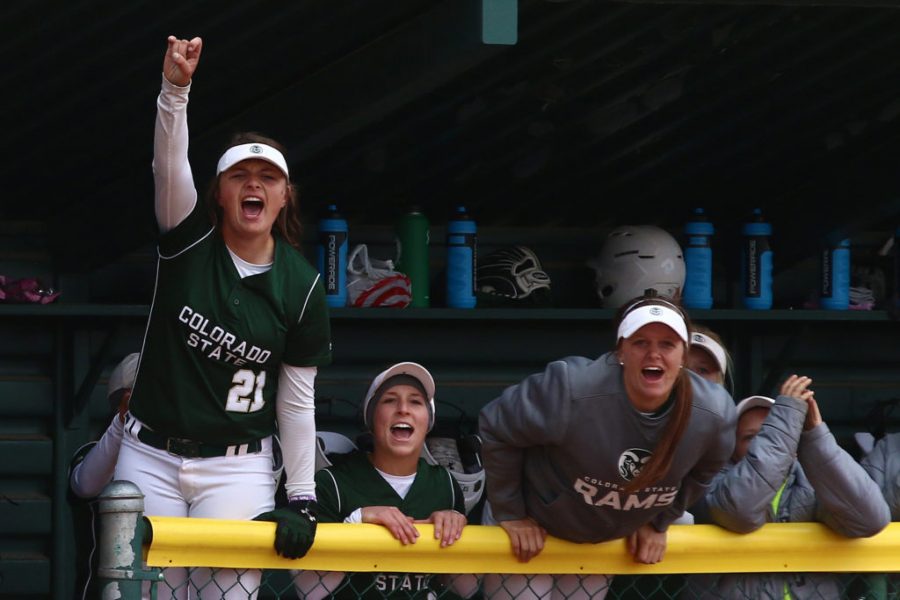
664	452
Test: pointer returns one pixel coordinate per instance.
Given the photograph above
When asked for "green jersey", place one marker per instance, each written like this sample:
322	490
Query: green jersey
352	483
215	341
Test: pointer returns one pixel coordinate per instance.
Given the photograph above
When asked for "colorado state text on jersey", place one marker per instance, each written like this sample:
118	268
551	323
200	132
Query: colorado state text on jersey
224	345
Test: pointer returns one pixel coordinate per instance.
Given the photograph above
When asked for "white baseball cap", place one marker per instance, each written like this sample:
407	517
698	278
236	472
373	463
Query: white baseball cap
711	346
753	402
123	374
236	154
414	370
652	313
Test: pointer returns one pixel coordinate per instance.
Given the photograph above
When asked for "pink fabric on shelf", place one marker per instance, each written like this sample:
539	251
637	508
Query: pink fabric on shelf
26	290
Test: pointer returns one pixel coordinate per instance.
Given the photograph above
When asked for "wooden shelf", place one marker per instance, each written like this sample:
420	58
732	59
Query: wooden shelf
589	314
61	310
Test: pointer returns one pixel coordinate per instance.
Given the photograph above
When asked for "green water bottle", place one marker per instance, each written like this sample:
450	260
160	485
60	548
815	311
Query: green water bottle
412	254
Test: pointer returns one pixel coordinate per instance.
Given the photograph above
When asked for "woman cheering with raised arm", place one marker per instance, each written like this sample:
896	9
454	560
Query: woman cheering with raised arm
237	330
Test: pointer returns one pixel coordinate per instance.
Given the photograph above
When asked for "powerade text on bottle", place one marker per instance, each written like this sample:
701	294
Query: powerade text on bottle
698	262
756	263
412	254
331	256
835	291
461	257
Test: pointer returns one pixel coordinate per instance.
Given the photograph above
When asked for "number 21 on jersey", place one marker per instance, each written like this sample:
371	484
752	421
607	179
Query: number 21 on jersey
246	393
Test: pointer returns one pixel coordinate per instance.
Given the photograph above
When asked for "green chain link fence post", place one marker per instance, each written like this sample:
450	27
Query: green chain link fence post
122	528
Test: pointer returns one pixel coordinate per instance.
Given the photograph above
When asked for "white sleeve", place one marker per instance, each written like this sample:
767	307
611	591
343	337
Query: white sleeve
176	195
295	409
91	475
354	517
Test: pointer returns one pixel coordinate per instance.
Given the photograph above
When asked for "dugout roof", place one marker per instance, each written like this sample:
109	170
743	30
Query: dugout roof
601	113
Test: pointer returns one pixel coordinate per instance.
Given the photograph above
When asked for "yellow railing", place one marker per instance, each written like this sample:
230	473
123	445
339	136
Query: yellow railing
785	547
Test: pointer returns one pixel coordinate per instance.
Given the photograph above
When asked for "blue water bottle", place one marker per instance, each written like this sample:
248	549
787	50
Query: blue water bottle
698	262
756	263
331	256
461	259
835	291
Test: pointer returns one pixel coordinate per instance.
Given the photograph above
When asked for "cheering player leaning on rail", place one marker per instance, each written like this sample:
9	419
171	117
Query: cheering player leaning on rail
591	450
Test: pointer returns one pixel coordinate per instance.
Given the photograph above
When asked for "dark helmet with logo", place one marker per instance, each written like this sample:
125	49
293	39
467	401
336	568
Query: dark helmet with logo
512	276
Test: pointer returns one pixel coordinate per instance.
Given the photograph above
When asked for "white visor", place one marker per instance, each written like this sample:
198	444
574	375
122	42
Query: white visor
405	368
753	402
236	154
711	346
652	313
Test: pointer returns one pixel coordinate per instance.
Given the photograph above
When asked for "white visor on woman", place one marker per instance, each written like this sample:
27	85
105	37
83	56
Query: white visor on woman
236	154
711	346
652	313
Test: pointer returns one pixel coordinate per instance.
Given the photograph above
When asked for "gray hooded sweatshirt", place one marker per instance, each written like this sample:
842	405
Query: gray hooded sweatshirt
822	483
561	445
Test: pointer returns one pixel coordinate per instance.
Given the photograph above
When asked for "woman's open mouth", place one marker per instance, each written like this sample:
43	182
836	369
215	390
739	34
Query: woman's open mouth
652	374
402	431
252	207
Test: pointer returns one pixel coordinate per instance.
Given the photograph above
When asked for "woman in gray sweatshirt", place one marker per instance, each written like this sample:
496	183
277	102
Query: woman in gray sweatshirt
592	450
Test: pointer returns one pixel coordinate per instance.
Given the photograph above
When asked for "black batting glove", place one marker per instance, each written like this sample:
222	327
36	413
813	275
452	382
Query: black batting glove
295	529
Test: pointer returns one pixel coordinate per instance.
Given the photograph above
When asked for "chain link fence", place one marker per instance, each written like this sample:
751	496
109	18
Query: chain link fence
313	585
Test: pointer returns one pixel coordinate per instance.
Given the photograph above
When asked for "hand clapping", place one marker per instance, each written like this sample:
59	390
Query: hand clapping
797	387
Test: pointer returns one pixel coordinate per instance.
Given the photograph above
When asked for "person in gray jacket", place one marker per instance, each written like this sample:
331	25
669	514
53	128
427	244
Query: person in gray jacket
592	450
787	467
883	466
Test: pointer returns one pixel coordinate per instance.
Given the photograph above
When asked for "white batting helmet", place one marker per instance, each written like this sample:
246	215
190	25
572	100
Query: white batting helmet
635	258
462	457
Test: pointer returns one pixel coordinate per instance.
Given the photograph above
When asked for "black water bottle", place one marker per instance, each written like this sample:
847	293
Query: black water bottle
834	293
756	263
698	262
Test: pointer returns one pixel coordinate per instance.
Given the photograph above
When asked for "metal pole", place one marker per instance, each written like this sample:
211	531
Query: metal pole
120	570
